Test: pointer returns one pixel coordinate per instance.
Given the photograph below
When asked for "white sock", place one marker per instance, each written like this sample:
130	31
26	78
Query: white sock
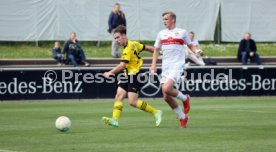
179	112
181	96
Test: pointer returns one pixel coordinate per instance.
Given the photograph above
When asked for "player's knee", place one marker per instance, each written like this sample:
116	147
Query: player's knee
166	89
166	97
119	97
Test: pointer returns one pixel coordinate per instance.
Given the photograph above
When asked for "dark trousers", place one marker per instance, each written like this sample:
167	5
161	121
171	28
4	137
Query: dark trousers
76	58
245	56
59	59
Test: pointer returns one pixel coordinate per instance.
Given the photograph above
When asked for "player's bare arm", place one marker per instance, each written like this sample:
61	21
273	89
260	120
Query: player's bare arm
115	70
149	49
153	68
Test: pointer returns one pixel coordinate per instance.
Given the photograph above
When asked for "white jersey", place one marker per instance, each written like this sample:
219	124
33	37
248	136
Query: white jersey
171	43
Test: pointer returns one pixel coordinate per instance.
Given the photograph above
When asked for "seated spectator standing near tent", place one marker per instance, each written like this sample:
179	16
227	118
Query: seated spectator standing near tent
74	52
248	50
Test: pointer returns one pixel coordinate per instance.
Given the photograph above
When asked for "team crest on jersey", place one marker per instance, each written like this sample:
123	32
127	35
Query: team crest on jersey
176	34
133	47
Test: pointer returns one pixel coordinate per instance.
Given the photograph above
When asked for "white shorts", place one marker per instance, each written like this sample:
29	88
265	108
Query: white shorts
173	72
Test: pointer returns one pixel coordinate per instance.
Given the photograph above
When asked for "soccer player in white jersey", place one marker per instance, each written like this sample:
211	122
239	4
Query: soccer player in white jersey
171	40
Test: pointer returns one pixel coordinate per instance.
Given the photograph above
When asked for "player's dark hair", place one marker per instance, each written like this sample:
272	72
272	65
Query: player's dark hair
192	33
120	29
172	15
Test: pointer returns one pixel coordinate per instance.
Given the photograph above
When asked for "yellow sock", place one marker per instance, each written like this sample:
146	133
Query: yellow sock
145	107
117	109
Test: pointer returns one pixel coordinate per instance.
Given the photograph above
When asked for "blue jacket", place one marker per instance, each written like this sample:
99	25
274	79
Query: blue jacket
116	19
56	52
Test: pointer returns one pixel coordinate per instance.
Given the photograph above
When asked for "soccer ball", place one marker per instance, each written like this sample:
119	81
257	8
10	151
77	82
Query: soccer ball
63	123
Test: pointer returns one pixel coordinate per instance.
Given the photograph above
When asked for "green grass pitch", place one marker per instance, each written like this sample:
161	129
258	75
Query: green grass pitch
216	125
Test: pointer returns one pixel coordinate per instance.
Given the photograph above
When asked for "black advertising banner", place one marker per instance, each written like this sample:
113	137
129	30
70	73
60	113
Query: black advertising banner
88	83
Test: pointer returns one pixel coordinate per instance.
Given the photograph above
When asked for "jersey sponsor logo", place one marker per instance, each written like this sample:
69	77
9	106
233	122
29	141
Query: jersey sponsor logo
172	40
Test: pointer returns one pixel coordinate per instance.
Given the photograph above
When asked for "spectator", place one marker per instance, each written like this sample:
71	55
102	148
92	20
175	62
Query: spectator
57	54
196	56
116	18
74	52
248	50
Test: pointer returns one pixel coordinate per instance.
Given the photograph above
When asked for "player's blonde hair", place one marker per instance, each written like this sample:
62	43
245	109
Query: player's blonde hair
172	15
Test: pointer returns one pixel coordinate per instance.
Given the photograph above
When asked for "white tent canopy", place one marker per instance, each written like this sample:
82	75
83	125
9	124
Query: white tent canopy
255	16
34	20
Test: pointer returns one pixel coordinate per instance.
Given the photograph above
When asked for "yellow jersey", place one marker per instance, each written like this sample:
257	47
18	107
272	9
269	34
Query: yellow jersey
130	55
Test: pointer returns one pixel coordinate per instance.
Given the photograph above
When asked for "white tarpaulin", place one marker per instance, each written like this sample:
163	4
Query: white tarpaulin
255	16
32	20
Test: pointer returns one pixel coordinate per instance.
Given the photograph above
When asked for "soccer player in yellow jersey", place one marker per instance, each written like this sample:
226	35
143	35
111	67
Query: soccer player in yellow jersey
130	63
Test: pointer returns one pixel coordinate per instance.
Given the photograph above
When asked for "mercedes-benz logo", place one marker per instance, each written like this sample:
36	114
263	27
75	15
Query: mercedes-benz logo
152	86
